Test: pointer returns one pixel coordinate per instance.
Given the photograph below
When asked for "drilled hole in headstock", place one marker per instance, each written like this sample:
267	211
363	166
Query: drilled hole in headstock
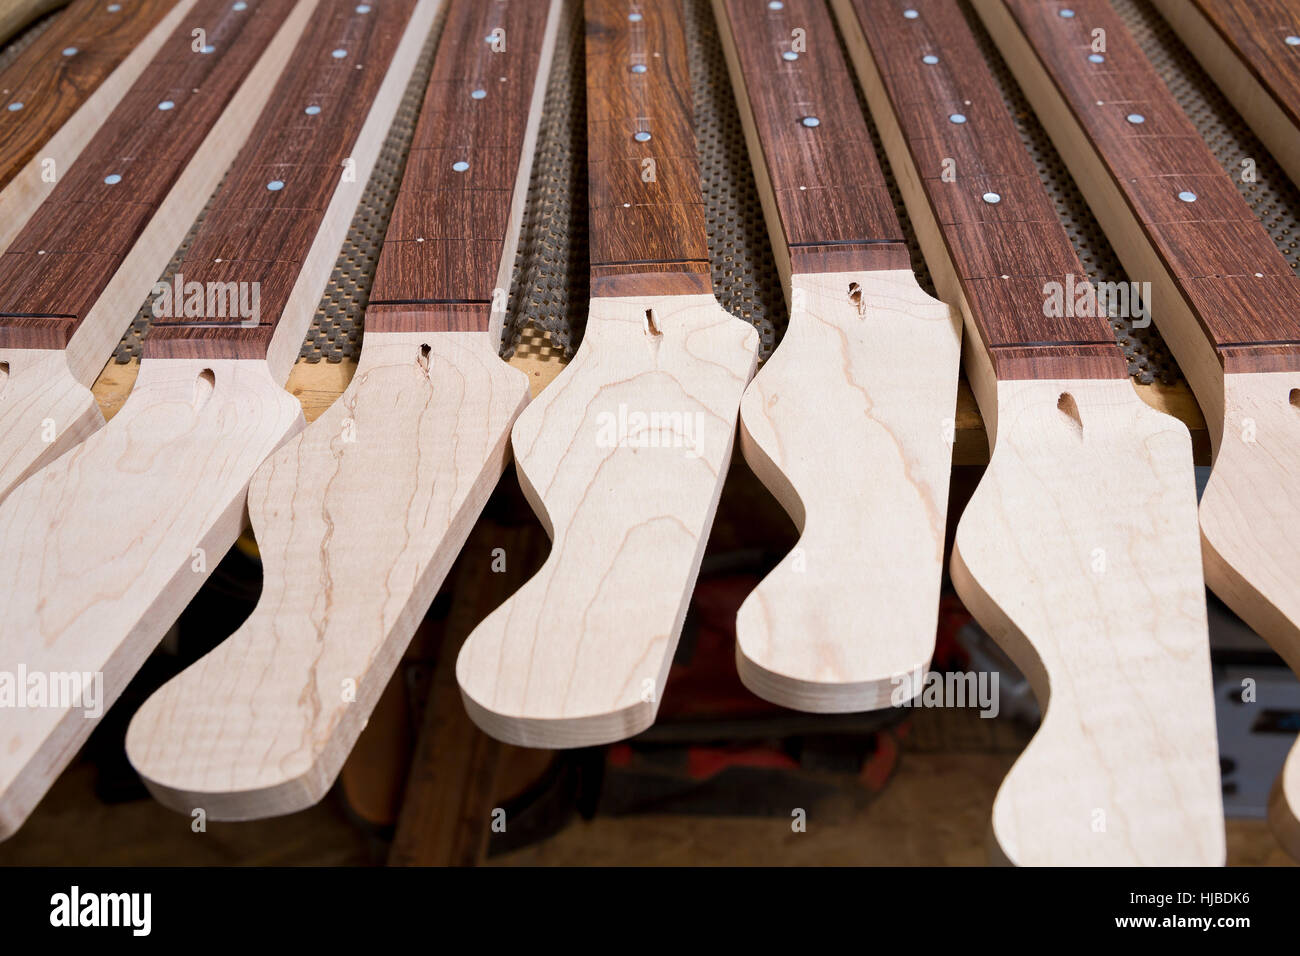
855	296
4	375
651	327
203	387
1294	397
1070	409
424	356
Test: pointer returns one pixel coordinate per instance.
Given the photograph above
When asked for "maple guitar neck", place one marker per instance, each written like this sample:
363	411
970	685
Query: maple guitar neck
846	422
1228	301
208	407
623	456
60	88
1084	478
75	273
359	517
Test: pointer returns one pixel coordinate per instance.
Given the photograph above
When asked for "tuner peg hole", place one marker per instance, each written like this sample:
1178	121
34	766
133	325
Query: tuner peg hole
855	296
651	326
1294	397
1070	409
204	385
424	356
4	376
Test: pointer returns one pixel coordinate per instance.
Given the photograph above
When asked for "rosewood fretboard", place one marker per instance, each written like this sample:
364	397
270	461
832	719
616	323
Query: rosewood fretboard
266	216
996	219
62	260
1236	283
818	163
444	253
646	207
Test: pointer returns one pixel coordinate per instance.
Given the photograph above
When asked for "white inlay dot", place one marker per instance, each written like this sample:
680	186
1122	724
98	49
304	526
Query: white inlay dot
992	198
112	179
1137	119
460	165
811	121
363	8
70	51
275	185
15	107
1293	41
240	6
776	5
642	137
639	67
208	49
1096	58
1187	196
1067	14
910	14
789	55
478	94
339	54
957	118
929	59
312	110
166	105
634	18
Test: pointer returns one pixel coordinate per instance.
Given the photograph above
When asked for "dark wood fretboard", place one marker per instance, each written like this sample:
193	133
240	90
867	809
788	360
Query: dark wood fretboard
812	151
444	252
1240	288
266	216
646	207
49	80
61	261
998	224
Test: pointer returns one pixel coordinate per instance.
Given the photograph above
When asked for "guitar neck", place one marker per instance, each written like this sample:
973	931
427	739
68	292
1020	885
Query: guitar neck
45	84
60	263
647	233
824	195
283	198
1240	290
984	207
450	245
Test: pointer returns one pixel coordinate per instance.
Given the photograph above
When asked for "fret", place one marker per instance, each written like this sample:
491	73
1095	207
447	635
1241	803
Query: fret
60	263
650	236
266	217
1084	478
999	226
1183	208
48	82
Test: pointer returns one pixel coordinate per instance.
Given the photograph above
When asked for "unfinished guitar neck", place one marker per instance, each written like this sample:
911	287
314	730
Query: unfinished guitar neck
1077	552
623	456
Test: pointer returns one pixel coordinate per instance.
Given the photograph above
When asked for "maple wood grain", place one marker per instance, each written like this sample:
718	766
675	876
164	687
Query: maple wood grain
1235	282
1005	253
51	85
256	234
64	257
646	219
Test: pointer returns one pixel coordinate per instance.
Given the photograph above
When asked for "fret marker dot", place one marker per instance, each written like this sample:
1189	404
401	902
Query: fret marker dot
275	185
1293	41
789	55
992	198
114	7
811	121
929	59
642	137
1137	119
1187	196
70	51
957	118
460	165
363	8
166	105
1067	14
339	54
478	94
15	107
634	18
910	14
240	6
112	179
208	49
639	67
1096	58
312	110
776	5
40	252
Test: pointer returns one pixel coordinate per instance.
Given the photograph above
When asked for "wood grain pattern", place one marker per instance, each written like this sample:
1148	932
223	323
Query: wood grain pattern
174	465
1230	334
646	213
380	492
282	221
1087	480
580	654
840	424
1242	45
51	86
79	269
965	150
